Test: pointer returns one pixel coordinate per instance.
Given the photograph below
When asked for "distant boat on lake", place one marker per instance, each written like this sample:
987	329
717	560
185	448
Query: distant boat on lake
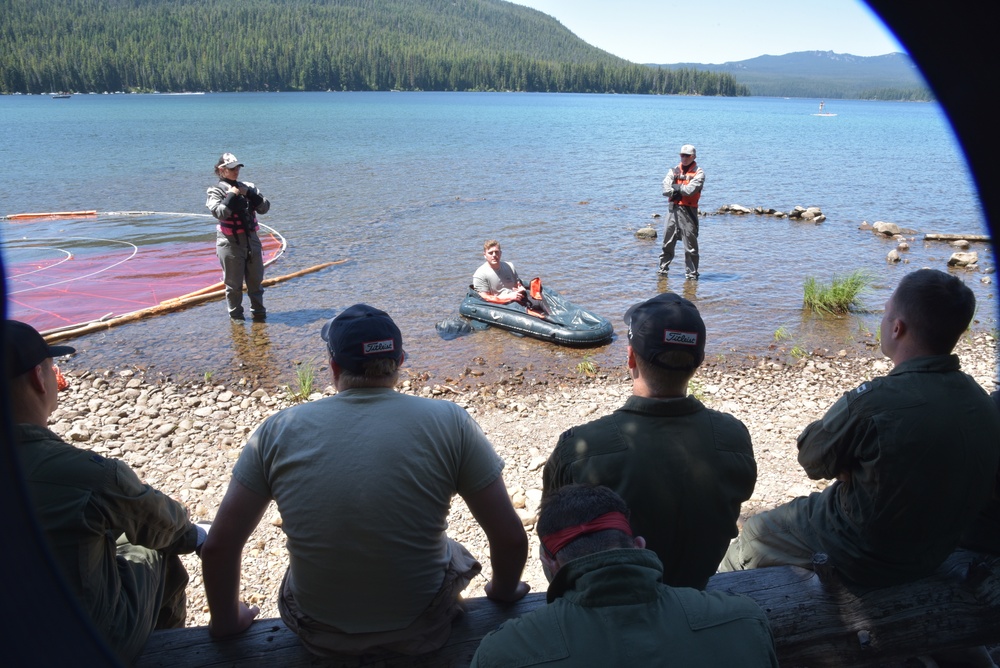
822	106
61	96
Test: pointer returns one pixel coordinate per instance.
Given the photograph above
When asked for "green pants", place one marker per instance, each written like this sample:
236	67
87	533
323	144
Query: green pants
152	596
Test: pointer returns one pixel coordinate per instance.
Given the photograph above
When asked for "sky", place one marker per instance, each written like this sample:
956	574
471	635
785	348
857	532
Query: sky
720	31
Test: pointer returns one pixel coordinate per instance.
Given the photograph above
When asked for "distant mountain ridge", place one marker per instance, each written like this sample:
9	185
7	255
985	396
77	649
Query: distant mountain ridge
825	74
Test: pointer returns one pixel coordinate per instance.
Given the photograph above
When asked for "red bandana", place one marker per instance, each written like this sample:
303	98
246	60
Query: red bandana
560	539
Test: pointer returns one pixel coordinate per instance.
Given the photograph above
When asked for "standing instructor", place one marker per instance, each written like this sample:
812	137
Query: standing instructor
683	185
235	204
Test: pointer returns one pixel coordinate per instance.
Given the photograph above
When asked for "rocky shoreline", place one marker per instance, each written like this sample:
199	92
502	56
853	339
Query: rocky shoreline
184	438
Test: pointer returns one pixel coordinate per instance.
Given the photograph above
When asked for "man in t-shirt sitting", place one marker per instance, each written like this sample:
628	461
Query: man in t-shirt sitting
497	282
364	482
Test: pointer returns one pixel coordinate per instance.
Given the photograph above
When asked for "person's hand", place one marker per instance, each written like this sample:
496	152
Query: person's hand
244	618
519	592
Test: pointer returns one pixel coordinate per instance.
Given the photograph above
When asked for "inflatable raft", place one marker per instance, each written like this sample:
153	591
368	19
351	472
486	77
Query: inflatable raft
564	323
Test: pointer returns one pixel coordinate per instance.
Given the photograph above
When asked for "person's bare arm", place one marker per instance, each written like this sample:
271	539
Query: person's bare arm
508	543
238	516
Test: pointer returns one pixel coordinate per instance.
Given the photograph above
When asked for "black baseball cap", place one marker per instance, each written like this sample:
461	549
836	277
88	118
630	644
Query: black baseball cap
666	322
362	332
26	349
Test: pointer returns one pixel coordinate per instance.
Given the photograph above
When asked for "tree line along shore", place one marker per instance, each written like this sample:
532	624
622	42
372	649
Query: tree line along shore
297	45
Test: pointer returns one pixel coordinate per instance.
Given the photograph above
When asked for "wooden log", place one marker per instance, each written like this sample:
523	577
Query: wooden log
814	624
933	236
167	306
269	643
50	214
819	625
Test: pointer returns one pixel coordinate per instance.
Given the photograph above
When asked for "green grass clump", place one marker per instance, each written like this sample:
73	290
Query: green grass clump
305	378
587	367
840	296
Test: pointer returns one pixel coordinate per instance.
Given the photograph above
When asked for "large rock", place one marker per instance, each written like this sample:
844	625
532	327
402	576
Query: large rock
812	214
963	259
888	229
646	233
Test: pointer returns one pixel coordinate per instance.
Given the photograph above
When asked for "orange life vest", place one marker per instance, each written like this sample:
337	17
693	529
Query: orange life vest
684	177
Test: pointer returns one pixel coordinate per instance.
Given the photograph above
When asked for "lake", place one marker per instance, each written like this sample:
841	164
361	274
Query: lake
406	186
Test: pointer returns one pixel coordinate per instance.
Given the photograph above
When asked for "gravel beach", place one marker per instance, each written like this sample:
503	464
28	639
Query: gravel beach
184	438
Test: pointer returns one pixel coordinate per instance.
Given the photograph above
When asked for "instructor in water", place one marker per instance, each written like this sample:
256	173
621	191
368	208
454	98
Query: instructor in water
236	204
683	185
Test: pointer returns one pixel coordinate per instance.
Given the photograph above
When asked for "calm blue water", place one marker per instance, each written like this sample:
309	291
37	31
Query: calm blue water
407	186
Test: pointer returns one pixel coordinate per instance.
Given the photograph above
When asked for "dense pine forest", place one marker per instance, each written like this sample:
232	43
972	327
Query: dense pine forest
280	45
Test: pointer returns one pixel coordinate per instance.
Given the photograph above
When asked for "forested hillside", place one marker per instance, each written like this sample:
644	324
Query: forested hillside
240	45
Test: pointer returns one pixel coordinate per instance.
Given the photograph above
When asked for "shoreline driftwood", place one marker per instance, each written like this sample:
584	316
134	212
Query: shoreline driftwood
817	620
935	236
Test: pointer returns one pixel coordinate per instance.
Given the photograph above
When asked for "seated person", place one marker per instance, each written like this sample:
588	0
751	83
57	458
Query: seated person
364	481
115	539
913	454
497	282
684	469
984	533
607	605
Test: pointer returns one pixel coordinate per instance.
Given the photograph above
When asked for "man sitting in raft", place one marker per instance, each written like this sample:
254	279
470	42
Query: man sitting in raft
498	283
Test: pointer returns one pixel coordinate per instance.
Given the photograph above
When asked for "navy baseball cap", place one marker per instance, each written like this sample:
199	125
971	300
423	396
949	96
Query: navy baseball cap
362	332
666	322
26	349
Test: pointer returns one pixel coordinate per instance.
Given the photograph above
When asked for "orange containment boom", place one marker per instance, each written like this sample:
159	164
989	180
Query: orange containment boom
50	214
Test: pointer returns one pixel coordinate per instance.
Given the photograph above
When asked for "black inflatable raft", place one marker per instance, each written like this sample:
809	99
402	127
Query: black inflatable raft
565	323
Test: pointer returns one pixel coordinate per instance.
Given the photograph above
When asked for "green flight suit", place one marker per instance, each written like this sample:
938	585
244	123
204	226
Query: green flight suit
682	468
915	458
611	608
115	539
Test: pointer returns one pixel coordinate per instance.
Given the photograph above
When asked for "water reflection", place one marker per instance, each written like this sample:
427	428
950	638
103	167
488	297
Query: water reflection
253	359
687	289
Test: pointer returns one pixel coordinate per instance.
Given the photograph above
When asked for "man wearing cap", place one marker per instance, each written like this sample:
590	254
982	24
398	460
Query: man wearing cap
682	468
236	204
608	607
115	539
364	481
912	455
683	185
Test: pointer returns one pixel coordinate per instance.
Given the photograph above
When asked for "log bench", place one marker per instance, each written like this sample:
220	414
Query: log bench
817	620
